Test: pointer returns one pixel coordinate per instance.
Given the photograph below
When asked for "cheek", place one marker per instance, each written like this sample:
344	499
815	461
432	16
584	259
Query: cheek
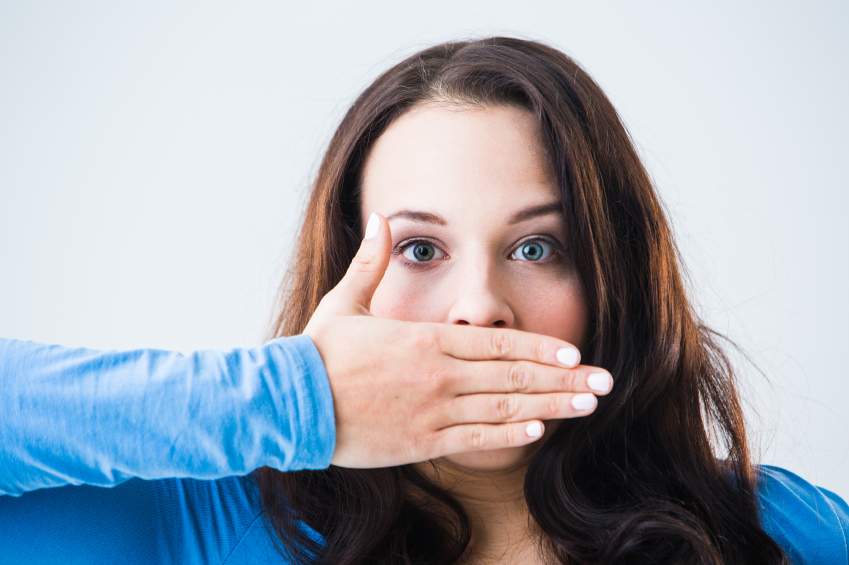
557	308
400	297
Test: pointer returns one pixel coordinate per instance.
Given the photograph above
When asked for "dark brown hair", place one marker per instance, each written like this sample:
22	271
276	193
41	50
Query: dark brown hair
638	481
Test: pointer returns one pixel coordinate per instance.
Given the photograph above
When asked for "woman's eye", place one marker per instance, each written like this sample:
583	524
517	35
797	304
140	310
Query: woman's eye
422	251
533	251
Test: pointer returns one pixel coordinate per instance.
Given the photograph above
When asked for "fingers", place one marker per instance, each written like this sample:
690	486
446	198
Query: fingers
528	377
476	344
485	437
462	435
502	408
366	270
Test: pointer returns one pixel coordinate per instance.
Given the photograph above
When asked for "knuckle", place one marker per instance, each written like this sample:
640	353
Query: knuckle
500	344
570	380
425	338
440	380
506	407
431	380
555	405
478	438
510	435
364	262
520	376
422	447
540	350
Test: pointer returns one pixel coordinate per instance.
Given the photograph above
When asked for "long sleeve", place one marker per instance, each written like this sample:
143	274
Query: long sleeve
77	416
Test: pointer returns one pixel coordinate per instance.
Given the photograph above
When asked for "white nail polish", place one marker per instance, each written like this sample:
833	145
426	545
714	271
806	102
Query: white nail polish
568	356
534	429
373	227
583	401
599	382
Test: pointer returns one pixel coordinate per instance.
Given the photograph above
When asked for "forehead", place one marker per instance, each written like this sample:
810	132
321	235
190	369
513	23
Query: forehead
456	160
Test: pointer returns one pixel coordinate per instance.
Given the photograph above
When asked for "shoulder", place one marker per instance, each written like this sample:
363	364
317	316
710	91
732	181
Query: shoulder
181	521
810	523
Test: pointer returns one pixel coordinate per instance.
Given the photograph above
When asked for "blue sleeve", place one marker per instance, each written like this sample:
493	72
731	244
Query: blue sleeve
76	416
811	524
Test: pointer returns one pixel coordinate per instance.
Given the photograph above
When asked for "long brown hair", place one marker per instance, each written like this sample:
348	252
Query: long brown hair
638	481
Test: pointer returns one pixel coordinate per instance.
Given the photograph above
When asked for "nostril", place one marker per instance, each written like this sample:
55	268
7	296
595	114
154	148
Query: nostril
500	324
462	323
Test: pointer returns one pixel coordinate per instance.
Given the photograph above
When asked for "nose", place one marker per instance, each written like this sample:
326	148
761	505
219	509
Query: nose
480	300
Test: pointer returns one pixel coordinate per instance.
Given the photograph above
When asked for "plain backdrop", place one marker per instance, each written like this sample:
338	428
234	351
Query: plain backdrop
155	157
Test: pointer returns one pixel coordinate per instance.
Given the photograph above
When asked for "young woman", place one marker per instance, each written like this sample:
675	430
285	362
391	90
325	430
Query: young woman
496	187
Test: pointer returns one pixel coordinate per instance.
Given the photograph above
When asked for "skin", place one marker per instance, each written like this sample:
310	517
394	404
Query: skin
477	239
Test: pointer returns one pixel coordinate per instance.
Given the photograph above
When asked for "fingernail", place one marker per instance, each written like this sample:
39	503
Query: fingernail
372	227
599	381
568	356
583	401
534	429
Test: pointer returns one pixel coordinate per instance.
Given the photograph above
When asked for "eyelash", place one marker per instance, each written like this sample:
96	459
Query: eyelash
559	250
407	243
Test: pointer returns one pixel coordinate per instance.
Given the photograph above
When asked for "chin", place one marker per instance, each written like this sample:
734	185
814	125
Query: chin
496	460
501	459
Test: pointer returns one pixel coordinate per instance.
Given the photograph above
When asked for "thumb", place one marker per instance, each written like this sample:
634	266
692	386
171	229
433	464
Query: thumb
357	287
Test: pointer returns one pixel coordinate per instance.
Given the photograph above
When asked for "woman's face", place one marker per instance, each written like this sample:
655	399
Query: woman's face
477	233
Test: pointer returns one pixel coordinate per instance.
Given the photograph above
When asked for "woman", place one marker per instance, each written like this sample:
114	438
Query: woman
513	199
453	141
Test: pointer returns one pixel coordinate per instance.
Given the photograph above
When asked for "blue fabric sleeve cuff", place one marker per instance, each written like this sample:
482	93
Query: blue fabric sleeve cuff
315	438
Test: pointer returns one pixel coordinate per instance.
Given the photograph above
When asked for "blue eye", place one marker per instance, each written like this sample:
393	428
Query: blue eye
536	250
422	251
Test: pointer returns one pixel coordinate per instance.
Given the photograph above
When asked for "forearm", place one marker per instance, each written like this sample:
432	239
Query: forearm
73	416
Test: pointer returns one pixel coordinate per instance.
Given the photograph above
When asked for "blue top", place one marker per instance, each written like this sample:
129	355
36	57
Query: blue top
75	416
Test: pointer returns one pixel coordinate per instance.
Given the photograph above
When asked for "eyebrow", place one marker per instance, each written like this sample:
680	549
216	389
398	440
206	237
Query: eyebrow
535	212
417	216
521	216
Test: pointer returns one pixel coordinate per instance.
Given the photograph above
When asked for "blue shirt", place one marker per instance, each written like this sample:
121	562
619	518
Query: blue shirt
148	426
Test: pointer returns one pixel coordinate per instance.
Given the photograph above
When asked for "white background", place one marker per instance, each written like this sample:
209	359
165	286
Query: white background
155	156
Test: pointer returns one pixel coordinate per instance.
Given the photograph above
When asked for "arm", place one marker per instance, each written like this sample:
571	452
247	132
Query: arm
73	416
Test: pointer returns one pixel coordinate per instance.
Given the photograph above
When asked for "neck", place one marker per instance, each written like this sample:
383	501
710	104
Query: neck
495	502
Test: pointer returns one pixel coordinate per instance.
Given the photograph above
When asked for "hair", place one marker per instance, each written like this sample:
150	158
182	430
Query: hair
660	472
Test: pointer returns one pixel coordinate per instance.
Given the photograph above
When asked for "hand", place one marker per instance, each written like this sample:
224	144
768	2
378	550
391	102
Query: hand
406	392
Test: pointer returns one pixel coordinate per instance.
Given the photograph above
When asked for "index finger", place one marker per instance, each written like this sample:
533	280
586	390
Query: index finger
483	344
